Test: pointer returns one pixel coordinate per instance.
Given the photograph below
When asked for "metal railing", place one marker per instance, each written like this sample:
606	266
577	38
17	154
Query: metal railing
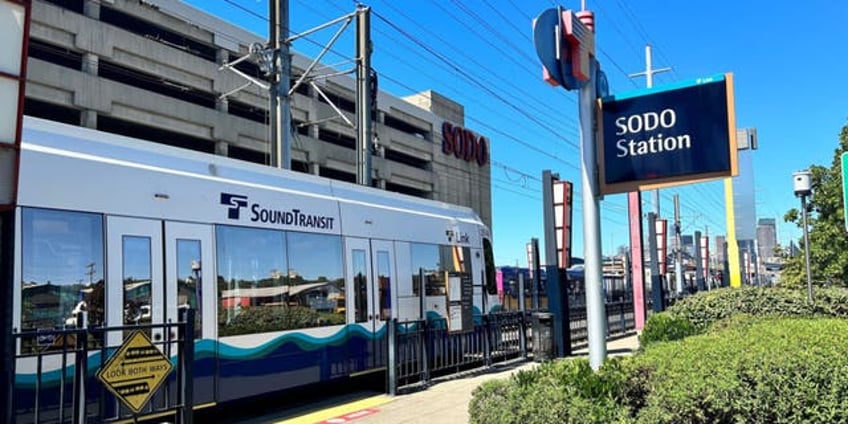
57	374
424	349
421	350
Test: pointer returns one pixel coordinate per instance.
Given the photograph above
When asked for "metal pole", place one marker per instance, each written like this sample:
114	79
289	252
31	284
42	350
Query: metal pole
423	332
699	267
537	273
187	365
363	95
278	20
678	257
521	306
807	247
392	356
656	283
522	340
707	275
595	313
649	79
81	367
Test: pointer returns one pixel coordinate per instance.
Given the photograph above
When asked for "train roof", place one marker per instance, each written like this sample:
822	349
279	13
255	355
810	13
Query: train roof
44	136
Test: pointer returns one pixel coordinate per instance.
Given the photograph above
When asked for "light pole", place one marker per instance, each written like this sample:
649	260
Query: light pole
802	182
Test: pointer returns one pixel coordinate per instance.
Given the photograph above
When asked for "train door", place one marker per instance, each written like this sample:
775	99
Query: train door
189	283
189	275
134	288
153	283
370	273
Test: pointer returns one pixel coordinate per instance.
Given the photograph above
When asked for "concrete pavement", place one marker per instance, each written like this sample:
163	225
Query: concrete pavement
444	401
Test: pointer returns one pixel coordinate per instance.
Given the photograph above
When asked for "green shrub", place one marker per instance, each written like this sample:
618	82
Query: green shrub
744	369
566	391
665	326
706	308
761	371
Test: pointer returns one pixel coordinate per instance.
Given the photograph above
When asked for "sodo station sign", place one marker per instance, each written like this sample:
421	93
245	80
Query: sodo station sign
669	135
135	371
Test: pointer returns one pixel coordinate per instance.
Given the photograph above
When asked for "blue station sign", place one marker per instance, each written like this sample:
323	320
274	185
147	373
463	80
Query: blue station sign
675	134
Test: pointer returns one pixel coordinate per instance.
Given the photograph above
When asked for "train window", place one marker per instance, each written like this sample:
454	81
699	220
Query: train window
489	257
253	288
137	278
360	285
189	281
437	260
62	258
384	284
426	257
316	278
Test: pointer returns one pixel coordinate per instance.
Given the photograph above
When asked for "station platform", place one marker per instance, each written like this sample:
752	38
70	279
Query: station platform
444	401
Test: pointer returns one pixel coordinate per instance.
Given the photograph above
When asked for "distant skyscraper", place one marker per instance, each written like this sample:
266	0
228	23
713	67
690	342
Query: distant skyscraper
744	202
718	252
766	238
688	242
744	196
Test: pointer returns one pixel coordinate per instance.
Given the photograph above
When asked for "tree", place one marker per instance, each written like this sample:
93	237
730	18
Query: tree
828	239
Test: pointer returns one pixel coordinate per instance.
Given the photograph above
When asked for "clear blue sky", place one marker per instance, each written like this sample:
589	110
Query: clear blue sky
787	58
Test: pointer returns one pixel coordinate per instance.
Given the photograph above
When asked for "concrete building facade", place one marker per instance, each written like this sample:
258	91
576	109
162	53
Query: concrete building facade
151	70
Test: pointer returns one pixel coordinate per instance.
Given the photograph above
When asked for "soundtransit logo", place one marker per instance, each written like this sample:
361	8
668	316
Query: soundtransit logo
290	217
236	202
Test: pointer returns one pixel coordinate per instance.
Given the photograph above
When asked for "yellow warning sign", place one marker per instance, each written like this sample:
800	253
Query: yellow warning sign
135	371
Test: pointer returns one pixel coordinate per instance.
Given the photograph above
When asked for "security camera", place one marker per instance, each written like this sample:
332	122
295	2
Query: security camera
803	183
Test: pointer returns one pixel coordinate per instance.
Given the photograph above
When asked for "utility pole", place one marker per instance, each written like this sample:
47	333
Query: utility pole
634	206
363	95
708	260
649	79
699	264
678	257
278	20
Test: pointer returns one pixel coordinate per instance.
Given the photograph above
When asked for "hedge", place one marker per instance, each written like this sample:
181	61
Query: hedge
695	314
752	370
708	307
746	369
555	392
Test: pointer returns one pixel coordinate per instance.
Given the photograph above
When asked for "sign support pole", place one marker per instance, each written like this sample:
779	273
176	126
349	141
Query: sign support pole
595	313
568	60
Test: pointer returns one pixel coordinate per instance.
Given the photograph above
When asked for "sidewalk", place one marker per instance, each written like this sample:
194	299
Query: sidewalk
445	401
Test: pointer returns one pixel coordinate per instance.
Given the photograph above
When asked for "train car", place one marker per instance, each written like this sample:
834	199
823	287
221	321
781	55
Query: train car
293	277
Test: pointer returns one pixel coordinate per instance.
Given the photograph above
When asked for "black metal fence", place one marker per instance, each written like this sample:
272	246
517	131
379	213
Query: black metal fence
426	349
620	319
422	350
61	384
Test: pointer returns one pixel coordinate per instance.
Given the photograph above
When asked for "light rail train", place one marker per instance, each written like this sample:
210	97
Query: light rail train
293	277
